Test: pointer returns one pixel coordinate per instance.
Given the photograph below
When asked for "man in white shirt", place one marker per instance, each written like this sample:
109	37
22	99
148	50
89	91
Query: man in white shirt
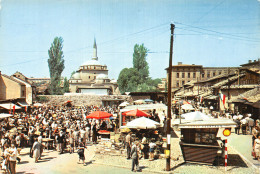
12	158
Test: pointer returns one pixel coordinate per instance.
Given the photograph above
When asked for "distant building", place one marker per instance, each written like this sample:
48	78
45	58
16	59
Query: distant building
92	77
16	87
185	73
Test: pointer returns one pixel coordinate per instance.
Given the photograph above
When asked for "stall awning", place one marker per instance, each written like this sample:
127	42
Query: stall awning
211	123
23	104
9	106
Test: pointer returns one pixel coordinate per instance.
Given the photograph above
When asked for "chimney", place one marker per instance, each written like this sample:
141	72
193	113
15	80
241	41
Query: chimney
250	61
179	63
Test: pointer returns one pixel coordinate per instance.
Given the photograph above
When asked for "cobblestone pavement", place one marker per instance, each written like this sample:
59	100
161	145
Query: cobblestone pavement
52	162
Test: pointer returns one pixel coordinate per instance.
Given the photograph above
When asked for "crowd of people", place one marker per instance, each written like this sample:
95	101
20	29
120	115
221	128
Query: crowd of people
60	128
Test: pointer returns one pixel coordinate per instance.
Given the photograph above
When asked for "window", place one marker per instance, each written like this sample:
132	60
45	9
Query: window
177	75
183	75
194	75
202	75
89	77
23	93
188	75
219	72
214	73
183	82
177	84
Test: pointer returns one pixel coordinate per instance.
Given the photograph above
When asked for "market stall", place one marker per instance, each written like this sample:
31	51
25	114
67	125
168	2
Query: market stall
201	137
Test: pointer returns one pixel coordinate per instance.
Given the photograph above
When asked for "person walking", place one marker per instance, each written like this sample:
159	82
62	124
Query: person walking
152	146
243	125
251	123
255	134
81	152
237	128
135	158
257	148
12	158
128	141
36	150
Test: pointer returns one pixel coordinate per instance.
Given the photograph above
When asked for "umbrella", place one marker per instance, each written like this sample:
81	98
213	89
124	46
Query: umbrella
137	113
5	115
99	115
124	104
148	100
37	104
187	107
196	116
143	123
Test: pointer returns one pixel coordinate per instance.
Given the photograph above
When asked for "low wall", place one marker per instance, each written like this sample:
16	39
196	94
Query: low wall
82	99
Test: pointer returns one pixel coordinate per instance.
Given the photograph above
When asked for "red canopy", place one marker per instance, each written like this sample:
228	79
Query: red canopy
137	113
99	115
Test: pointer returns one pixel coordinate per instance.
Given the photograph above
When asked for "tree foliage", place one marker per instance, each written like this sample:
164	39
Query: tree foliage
139	61
56	65
137	79
66	86
128	80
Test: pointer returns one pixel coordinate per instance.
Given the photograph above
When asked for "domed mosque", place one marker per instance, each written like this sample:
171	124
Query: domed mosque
92	77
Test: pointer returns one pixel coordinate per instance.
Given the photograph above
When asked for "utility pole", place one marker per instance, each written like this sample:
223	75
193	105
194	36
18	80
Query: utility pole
168	130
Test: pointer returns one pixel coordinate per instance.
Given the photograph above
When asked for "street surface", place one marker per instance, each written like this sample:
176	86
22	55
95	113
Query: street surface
243	144
66	163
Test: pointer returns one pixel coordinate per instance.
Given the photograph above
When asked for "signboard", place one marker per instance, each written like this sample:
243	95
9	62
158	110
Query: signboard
226	132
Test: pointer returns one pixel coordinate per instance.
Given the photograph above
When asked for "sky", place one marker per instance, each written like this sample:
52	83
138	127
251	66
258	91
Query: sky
213	33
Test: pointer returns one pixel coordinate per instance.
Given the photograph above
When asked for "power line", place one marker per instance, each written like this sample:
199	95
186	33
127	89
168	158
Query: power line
217	32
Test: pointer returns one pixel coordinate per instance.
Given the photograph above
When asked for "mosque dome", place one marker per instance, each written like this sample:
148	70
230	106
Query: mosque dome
91	62
102	76
76	76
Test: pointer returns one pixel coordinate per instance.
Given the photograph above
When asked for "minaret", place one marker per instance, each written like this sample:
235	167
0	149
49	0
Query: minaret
95	50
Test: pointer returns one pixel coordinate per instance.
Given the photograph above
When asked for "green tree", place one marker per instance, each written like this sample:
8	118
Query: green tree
56	65
139	61
128	80
66	86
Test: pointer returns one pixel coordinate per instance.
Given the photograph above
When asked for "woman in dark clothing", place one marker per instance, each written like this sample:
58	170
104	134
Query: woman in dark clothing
94	133
81	152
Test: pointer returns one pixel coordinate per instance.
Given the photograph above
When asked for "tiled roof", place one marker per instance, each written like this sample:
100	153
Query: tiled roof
224	82
11	78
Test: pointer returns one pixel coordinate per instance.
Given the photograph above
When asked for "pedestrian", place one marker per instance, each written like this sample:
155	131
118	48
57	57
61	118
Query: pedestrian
244	125
31	142
144	147
152	146
12	158
94	133
135	158
71	141
36	150
81	152
128	141
255	134
257	148
237	128
250	124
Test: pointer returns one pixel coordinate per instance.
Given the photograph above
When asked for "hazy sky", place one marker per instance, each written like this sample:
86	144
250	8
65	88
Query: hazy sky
208	32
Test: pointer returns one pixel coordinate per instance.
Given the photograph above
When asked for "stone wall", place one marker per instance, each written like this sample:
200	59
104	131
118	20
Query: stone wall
82	99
